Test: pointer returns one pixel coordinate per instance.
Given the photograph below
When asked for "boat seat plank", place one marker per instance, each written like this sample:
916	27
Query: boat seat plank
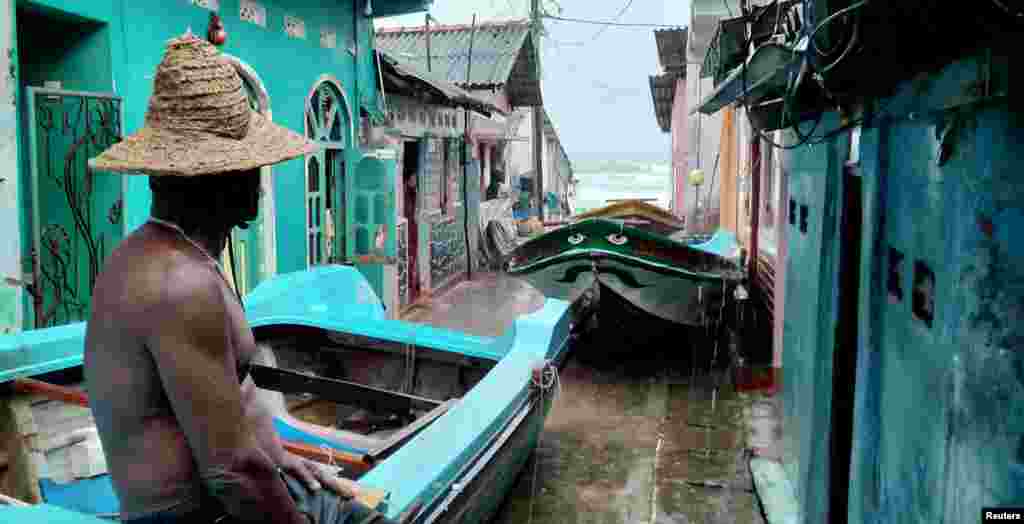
340	391
406	433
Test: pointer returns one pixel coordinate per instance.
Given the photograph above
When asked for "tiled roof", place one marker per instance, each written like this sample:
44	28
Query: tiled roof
503	55
671	48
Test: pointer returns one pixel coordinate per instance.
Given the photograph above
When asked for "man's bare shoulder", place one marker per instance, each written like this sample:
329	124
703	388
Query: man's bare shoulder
159	277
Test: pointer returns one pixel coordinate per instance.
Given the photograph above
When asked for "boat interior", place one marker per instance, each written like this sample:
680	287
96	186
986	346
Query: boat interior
346	401
357	393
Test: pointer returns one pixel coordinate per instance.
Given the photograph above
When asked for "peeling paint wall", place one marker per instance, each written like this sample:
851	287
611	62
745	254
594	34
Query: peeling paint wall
10	244
939	408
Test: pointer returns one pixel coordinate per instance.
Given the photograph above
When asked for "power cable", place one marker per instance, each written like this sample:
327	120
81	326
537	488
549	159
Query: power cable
611	24
1004	7
614	20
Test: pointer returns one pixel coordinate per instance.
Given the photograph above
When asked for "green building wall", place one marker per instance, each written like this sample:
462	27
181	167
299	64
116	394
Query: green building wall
117	49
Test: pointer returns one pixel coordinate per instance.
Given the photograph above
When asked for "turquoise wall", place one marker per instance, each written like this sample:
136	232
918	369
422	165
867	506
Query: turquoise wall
939	422
133	35
815	176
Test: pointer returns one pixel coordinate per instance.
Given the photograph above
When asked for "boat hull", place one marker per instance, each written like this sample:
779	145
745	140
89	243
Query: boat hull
663	294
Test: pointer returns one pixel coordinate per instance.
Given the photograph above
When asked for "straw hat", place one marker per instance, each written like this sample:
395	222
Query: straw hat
199	121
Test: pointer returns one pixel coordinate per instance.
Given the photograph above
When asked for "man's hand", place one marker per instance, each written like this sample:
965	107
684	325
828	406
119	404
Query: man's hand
315	476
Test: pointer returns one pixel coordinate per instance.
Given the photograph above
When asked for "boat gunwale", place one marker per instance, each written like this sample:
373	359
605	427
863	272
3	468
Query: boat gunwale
589	254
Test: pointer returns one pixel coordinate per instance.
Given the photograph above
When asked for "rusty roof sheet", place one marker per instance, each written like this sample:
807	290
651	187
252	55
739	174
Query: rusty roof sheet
663	94
503	55
671	48
408	79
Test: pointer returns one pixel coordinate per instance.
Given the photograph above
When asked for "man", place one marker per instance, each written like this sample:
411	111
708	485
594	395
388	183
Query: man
167	346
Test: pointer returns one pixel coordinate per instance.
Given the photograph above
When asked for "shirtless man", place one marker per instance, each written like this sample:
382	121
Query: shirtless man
167	345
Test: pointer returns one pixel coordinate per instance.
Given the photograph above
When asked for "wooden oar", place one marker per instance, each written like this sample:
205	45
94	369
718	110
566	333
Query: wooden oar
73	396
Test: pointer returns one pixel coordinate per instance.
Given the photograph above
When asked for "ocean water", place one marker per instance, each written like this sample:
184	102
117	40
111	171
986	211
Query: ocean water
595	189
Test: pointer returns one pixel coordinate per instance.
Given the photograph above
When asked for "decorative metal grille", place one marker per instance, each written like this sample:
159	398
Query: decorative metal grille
79	212
212	5
252	12
328	38
294	26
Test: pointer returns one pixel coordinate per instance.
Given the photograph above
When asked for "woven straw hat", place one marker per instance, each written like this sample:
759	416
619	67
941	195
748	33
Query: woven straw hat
199	121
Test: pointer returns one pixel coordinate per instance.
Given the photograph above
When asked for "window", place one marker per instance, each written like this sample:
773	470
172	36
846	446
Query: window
327	123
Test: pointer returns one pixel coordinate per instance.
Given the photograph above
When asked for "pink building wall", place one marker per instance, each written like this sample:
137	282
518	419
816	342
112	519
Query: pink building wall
680	135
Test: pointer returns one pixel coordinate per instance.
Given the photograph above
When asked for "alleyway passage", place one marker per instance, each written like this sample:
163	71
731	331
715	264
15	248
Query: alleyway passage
625	439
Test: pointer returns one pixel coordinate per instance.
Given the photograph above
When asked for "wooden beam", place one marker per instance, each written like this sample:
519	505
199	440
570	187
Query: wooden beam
17	431
72	396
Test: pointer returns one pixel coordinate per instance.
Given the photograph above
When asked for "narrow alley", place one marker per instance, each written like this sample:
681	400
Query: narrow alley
625	439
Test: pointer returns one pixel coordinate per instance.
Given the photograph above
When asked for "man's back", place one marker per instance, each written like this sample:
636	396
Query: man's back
147	452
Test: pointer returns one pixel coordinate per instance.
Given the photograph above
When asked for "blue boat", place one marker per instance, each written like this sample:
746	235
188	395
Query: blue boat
431	416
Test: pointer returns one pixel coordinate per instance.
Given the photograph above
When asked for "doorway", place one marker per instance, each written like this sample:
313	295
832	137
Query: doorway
73	216
410	211
844	359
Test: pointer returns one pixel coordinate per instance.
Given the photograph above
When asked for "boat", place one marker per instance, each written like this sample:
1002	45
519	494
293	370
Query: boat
593	258
409	413
638	214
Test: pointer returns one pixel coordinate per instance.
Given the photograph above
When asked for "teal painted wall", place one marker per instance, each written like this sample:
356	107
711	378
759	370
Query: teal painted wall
939	423
815	185
128	41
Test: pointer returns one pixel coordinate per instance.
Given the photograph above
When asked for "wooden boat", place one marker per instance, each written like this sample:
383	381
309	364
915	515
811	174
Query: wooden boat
670	280
409	412
638	214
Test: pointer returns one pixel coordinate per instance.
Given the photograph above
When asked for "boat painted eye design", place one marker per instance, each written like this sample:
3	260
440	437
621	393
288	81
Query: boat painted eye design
576	239
617	239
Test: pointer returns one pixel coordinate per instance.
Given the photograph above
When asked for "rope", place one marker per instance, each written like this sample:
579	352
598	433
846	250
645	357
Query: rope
543	381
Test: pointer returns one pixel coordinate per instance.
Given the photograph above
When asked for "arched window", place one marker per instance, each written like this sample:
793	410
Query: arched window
328	122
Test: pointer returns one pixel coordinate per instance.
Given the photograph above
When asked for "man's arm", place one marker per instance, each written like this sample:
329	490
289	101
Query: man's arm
191	347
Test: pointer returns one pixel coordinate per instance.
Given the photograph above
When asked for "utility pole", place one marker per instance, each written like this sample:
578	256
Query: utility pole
538	114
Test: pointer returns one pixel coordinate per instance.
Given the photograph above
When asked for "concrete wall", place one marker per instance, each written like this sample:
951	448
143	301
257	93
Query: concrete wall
939	430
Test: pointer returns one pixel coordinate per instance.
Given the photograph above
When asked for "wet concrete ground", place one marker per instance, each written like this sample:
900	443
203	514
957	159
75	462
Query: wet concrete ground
629	441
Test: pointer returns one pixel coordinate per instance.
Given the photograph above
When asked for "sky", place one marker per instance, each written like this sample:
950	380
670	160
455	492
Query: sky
595	78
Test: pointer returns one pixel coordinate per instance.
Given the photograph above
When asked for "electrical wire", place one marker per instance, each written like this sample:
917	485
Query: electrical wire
612	24
614	20
829	19
1004	7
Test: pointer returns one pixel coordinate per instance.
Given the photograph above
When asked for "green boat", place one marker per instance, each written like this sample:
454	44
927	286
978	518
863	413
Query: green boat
674	281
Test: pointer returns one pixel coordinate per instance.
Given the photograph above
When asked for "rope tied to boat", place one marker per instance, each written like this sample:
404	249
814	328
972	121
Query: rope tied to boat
543	378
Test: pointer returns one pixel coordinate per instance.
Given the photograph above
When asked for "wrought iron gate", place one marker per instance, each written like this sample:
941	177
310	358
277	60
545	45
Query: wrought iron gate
76	215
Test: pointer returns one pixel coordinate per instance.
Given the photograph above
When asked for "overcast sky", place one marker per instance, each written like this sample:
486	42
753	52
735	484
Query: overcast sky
595	77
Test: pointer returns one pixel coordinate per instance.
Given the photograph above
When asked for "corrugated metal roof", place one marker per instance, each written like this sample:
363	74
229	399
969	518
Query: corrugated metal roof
503	55
663	94
671	48
397	71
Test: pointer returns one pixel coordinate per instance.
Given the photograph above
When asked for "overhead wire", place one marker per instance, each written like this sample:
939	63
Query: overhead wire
615	19
607	23
1004	7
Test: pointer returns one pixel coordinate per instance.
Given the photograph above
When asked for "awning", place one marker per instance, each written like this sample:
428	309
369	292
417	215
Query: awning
407	79
765	75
